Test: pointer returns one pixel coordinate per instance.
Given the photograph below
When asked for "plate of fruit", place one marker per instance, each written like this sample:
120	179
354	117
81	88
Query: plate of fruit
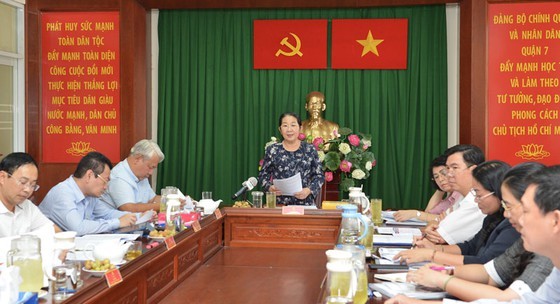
242	204
97	268
161	235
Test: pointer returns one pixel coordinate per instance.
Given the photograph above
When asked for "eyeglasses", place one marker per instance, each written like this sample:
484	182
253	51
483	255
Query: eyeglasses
102	178
480	198
26	183
507	206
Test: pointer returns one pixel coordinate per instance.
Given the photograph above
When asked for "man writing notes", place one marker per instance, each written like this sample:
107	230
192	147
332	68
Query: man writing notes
129	189
466	219
74	204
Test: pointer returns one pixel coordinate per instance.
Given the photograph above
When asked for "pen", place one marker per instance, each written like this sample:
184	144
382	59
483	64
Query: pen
440	268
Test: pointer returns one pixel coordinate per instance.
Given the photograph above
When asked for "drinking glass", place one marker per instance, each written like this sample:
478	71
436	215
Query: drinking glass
376	206
257	199
75	268
270	200
134	251
207	195
339	282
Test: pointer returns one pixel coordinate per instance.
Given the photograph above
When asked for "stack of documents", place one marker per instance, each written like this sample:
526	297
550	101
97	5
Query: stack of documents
399	230
390	220
391	277
392	240
391	289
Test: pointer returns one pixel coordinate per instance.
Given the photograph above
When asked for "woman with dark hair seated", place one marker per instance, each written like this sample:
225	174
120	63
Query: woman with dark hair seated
495	236
441	201
510	275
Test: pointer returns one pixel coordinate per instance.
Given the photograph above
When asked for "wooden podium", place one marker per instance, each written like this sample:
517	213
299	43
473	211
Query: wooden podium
331	190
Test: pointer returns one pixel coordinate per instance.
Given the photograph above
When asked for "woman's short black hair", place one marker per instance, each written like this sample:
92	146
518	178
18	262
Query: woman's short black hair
289	114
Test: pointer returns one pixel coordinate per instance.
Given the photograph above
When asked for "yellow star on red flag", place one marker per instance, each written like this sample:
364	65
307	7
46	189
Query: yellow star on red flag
370	44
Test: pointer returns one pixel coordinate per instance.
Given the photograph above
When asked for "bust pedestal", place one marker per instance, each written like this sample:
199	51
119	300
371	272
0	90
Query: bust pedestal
331	190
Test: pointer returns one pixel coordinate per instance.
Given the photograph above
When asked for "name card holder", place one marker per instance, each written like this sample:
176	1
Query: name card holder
196	226
113	277
170	242
218	213
293	210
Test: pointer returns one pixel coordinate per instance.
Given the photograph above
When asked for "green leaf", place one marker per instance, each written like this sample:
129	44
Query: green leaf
344	131
332	161
346	183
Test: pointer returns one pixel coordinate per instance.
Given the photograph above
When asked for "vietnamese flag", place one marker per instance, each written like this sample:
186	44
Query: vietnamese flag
369	43
290	44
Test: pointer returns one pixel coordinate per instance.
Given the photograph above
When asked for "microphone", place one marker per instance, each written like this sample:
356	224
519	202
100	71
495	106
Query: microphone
247	185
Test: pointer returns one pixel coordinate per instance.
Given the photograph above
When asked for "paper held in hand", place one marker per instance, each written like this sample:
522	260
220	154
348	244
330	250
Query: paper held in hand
288	186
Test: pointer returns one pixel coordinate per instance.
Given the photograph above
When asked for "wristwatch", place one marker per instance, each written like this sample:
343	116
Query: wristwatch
418	213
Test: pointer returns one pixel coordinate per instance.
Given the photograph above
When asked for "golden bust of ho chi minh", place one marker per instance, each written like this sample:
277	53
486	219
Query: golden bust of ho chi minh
316	125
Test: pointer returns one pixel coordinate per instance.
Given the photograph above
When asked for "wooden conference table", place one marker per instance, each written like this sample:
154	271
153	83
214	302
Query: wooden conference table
246	256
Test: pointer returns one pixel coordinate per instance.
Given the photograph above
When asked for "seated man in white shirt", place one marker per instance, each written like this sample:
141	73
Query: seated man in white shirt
540	230
18	180
74	204
466	218
18	215
129	189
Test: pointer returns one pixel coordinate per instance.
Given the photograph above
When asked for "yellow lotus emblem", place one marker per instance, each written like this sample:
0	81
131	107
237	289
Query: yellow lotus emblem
532	152
79	148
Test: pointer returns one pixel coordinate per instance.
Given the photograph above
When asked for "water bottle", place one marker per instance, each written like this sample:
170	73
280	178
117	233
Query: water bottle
350	225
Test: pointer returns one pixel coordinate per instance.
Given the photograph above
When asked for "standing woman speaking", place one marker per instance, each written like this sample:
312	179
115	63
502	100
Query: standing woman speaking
289	157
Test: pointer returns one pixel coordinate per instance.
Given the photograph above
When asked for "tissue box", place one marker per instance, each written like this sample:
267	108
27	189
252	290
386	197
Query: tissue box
331	205
26	297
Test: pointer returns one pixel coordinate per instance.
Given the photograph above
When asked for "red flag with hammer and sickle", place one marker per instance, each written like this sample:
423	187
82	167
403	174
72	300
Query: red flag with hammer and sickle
369	43
290	44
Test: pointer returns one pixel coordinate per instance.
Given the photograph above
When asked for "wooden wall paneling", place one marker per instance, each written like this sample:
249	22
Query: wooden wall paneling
268	228
134	100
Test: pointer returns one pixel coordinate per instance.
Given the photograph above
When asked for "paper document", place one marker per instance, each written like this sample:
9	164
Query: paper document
288	186
88	242
391	277
389	253
389	218
395	240
398	230
144	218
392	289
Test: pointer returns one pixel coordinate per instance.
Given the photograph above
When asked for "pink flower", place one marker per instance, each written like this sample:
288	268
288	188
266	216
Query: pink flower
328	176
354	140
318	143
374	163
301	136
345	166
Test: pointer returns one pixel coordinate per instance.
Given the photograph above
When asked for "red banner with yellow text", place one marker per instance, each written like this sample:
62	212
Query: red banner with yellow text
523	82
80	85
369	43
290	44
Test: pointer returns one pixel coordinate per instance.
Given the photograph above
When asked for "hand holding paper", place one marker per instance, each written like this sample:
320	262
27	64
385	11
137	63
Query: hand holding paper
288	186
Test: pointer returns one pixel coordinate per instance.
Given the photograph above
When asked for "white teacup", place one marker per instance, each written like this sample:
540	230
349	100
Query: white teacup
65	240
